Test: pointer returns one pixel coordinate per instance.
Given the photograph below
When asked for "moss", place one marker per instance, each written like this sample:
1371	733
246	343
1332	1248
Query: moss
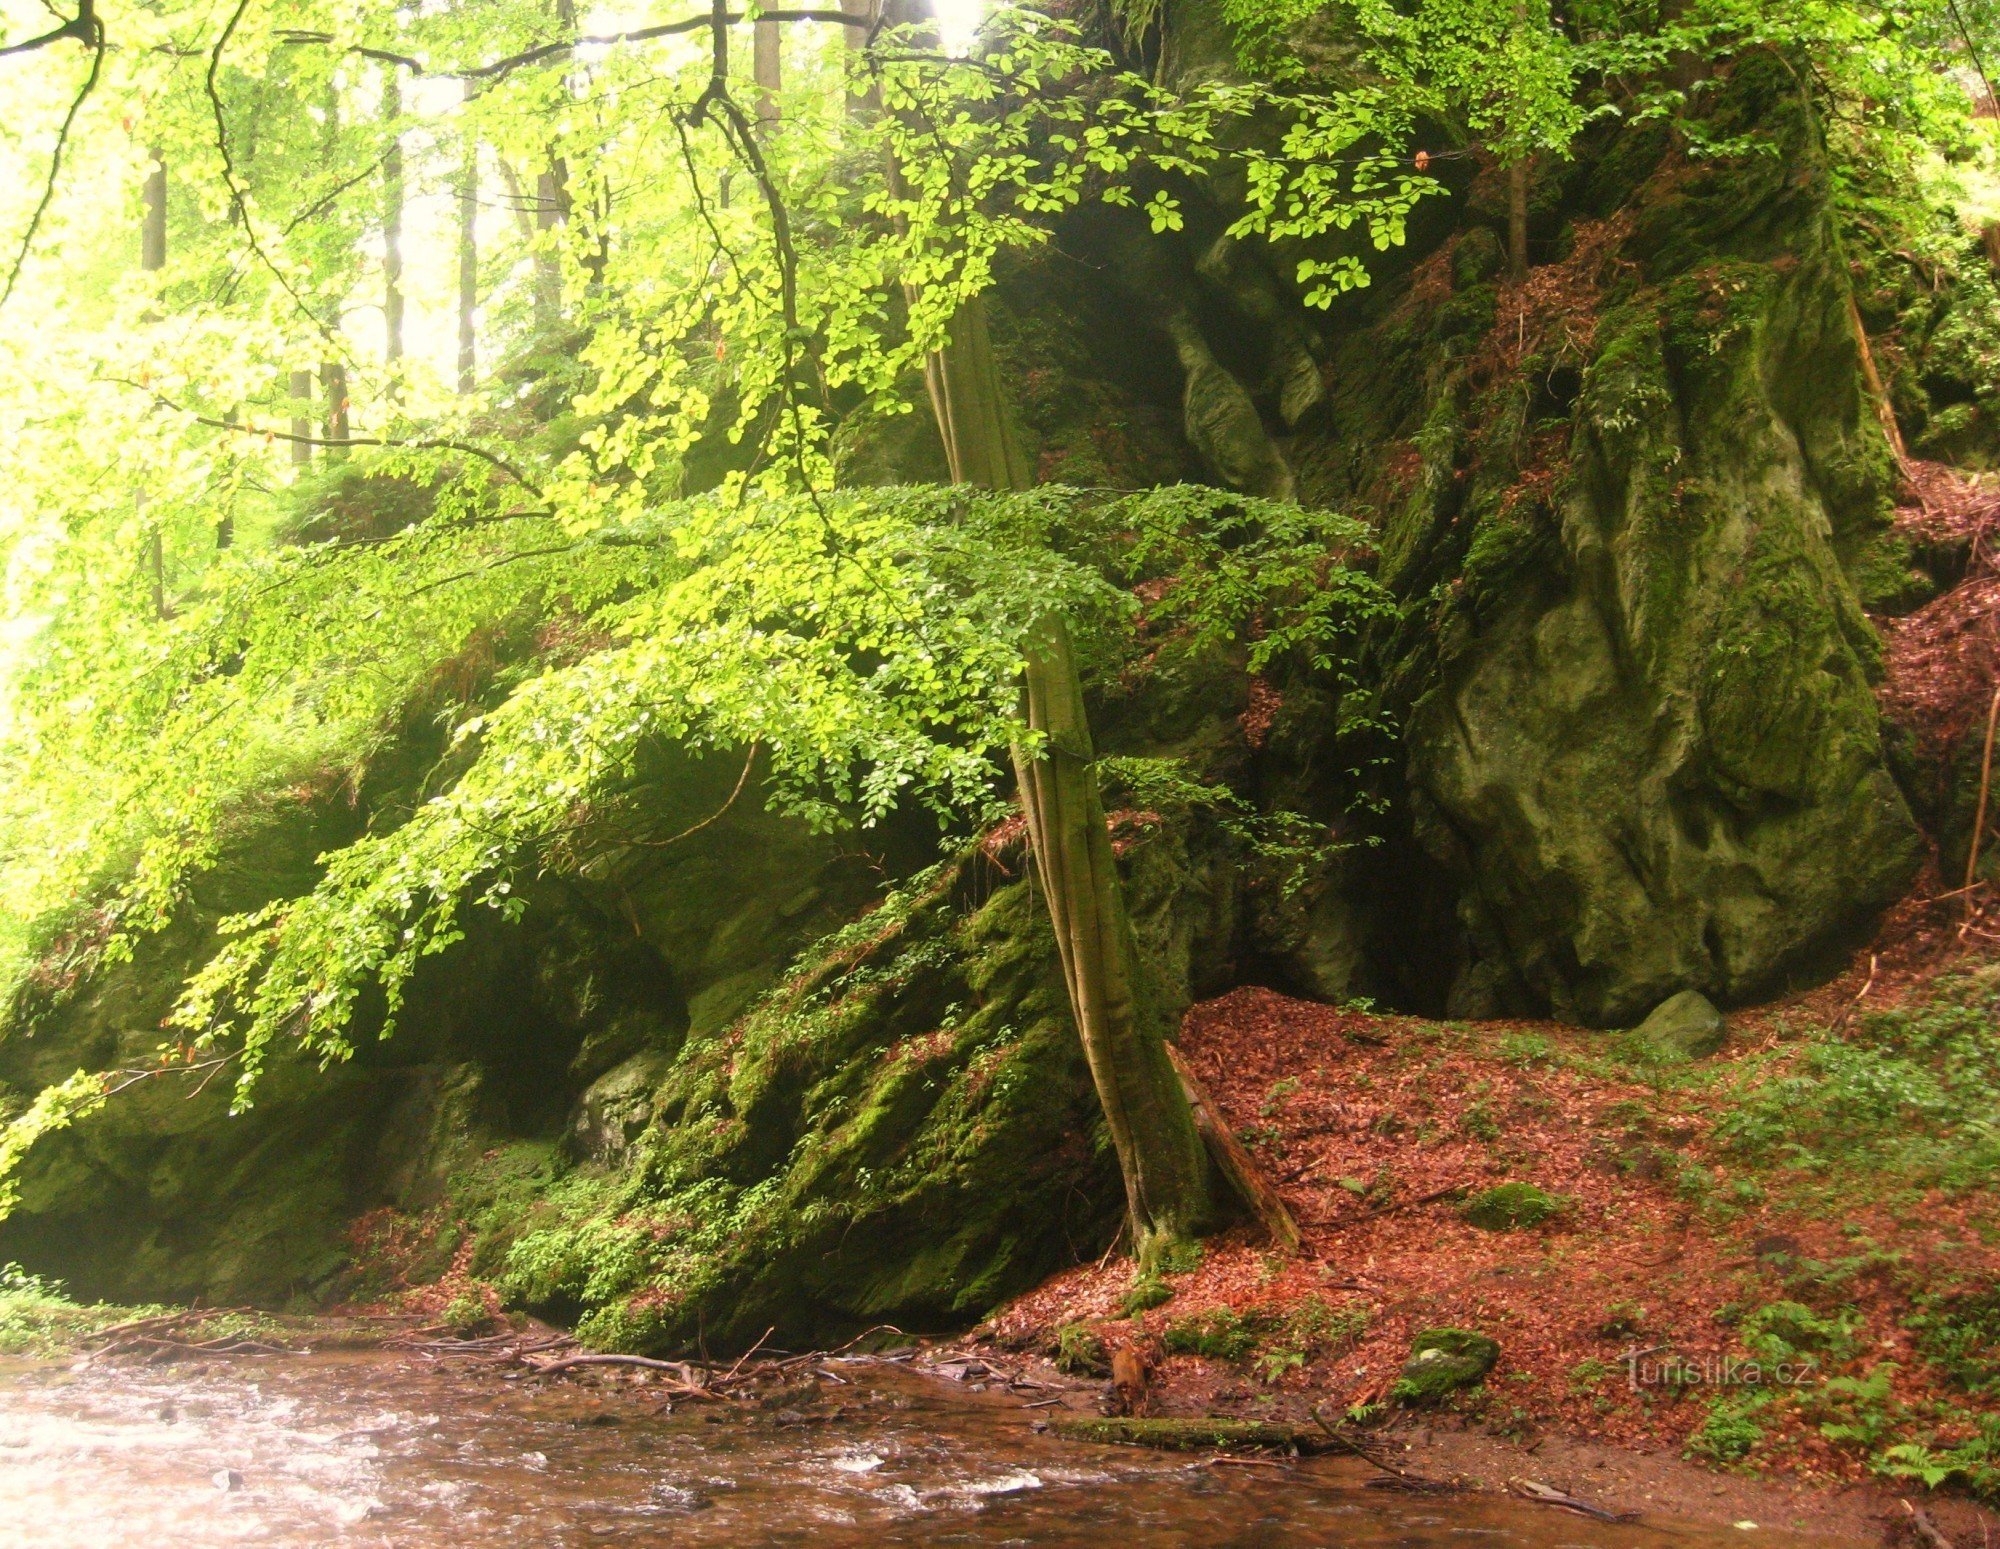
1080	1352
1222	1335
1195	1435
1508	1207
1443	1361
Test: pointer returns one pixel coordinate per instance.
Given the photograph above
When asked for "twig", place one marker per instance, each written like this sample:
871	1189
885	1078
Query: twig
90	30
1388	1210
413	443
730	1375
1244	1463
1979	813
1874	961
1926	1529
749	760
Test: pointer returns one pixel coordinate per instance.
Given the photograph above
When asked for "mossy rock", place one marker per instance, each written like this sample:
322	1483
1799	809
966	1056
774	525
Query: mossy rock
1444	1361
1683	1027
1508	1207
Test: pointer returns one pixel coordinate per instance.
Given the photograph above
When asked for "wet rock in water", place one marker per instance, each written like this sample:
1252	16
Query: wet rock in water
1684	1026
1443	1361
1507	1207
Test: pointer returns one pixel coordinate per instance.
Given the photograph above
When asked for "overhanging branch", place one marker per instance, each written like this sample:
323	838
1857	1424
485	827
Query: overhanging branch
543	51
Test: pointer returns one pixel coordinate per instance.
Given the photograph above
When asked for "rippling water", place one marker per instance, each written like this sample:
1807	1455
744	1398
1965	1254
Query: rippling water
379	1449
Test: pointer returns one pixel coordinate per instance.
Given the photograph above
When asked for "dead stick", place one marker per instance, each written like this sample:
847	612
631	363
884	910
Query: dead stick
1985	786
1927	1529
730	1375
564	1363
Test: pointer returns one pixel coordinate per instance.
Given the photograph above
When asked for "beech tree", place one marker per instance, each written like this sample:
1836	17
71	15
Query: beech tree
727	266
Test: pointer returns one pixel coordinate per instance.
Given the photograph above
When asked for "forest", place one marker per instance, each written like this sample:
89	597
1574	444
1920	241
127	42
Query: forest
1269	721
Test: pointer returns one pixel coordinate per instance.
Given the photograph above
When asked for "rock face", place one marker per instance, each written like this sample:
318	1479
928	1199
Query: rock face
1634	530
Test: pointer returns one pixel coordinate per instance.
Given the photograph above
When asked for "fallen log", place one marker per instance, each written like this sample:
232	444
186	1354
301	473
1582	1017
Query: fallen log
1192	1435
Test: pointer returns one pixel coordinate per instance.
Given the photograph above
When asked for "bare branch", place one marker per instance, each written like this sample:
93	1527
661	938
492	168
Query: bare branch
414	443
92	33
239	198
84	27
540	52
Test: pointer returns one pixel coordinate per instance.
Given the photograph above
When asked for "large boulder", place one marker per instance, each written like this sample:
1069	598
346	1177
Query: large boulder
1635	535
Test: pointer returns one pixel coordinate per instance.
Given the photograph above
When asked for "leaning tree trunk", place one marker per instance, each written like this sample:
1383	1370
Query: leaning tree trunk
1170	1190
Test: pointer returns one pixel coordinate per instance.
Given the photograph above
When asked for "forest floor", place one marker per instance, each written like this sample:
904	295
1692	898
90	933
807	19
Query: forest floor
1822	1222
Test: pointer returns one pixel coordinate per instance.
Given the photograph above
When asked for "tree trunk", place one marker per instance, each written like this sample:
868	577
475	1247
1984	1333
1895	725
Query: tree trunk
1517	220
152	259
153	234
1169	1187
333	383
468	261
1517	188
766	69
551	206
302	390
392	217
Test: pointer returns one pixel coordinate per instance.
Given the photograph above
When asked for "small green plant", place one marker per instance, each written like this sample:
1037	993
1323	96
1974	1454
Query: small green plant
1585	1376
1526	1048
1960	1332
1221	1335
1478	1123
1973	1463
466	1314
1274	1364
1786	1332
1275	1098
1147	1292
1731	1430
1181	1258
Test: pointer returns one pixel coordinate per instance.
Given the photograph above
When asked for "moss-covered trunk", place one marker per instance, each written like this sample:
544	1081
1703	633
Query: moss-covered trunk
1168	1186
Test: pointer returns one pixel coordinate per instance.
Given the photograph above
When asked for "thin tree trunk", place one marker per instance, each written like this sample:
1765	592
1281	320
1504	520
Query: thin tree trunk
766	69
1517	188
1517	220
868	101
551	206
333	383
153	233
1169	1188
152	259
392	217
302	389
468	261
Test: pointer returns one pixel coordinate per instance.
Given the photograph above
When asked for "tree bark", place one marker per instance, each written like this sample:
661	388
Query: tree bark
1169	1188
1517	188
468	261
333	383
153	234
766	70
392	217
302	389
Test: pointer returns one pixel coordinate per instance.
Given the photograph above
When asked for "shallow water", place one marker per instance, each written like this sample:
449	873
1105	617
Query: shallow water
380	1449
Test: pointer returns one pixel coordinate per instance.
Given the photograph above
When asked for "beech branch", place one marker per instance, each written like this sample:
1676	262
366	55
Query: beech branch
415	443
543	51
84	27
88	30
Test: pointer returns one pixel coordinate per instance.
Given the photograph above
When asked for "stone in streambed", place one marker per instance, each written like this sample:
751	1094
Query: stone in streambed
1684	1026
1443	1361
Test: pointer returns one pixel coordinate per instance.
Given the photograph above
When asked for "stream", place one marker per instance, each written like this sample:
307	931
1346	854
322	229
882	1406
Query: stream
377	1448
